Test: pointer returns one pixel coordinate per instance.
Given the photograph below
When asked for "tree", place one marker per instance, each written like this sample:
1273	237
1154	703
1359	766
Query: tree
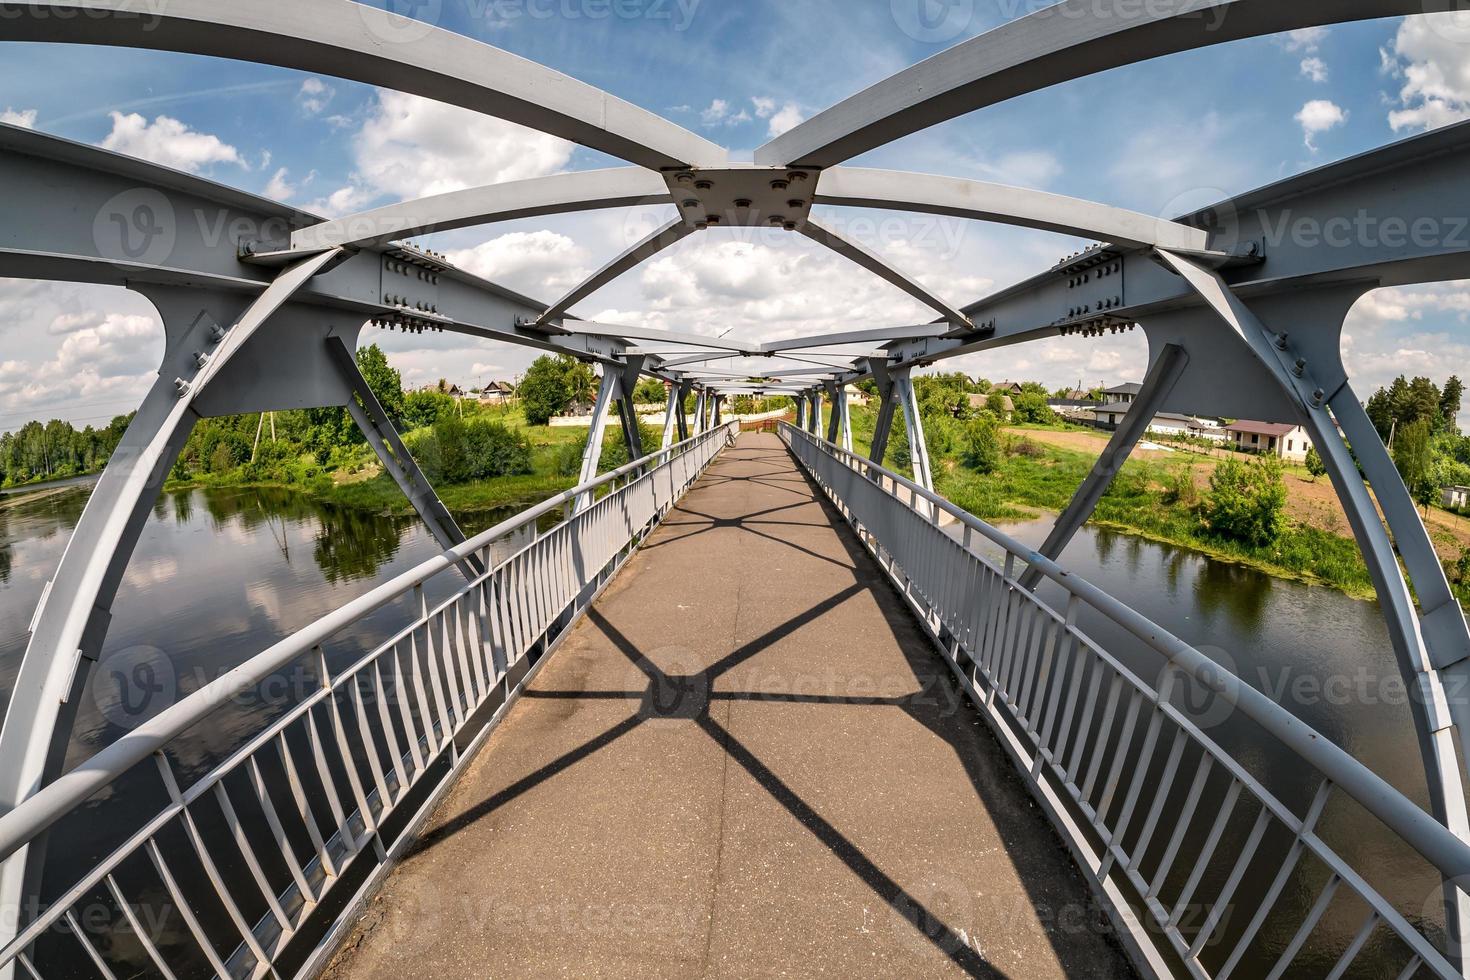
384	380
1414	458
1315	466
1449	403
982	450
1247	501
544	391
650	391
1031	407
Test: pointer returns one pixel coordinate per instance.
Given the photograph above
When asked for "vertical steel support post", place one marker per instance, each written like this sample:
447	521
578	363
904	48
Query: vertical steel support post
816	417
700	405
918	449
672	411
606	392
834	422
801	412
681	420
1160	381
883	425
627	409
1436	714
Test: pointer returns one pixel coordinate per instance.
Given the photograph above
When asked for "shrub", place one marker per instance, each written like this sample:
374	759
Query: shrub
1031	407
1179	488
1315	466
982	451
1247	501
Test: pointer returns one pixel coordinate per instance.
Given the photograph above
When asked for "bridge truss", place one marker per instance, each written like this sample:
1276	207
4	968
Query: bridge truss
1240	319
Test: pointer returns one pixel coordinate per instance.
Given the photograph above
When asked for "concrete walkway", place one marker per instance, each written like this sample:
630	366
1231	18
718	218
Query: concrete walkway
745	762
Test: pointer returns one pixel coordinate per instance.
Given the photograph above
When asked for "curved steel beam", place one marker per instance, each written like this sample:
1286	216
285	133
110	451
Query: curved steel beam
879	335
862	188
673	232
587	190
1069	40
875	264
364	44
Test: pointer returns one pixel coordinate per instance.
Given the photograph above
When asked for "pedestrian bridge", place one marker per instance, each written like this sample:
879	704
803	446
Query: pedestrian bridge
756	706
744	706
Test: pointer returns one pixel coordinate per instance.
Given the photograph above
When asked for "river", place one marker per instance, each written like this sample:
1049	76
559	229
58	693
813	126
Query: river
219	575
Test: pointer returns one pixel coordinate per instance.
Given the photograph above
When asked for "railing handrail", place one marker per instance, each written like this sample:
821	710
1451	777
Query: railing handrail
1431	839
49	804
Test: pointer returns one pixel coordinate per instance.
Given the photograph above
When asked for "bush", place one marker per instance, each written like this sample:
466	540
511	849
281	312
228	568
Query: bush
1247	501
1315	466
1179	488
982	451
1032	408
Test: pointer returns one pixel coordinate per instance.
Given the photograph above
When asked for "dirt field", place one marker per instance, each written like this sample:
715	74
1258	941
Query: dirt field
1311	502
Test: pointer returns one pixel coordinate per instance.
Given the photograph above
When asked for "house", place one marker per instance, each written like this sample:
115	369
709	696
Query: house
1287	441
1456	498
1082	409
980	402
1124	394
498	393
1007	387
1172	424
856	396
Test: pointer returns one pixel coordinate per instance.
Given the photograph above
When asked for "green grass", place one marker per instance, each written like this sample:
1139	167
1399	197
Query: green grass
1136	504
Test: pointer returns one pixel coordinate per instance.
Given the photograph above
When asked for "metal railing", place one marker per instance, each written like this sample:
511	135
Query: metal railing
251	859
1139	792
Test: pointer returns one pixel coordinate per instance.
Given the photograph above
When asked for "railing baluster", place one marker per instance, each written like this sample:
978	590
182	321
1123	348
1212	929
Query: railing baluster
1181	825
92	954
385	719
329	785
1206	854
144	938
1120	756
186	912
211	870
278	831
1222	901
369	744
1100	739
1355	947
1161	793
1288	868
303	807
252	862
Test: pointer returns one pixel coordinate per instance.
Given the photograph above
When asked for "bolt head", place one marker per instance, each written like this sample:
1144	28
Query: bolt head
780	185
796	204
704	185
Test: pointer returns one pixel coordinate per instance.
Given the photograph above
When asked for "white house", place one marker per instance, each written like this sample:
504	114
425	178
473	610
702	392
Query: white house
1290	442
1457	498
1170	424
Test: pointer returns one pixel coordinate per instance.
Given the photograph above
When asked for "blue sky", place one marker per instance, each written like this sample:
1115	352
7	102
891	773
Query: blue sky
1161	137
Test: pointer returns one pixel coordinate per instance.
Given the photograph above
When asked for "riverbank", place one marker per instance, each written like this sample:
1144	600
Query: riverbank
1043	466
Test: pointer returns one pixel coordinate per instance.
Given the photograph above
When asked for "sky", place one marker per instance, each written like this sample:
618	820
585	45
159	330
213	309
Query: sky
1163	137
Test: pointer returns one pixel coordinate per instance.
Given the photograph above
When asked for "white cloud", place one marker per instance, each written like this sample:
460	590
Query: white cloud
279	188
1307	39
1315	69
411	147
1317	117
717	111
789	117
168	142
314	96
764	107
24	118
541	264
1431	54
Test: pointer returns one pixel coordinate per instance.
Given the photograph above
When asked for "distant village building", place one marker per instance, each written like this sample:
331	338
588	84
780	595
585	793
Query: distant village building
1171	424
1008	387
1277	438
856	396
1457	498
1080	409
498	393
981	402
1115	405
